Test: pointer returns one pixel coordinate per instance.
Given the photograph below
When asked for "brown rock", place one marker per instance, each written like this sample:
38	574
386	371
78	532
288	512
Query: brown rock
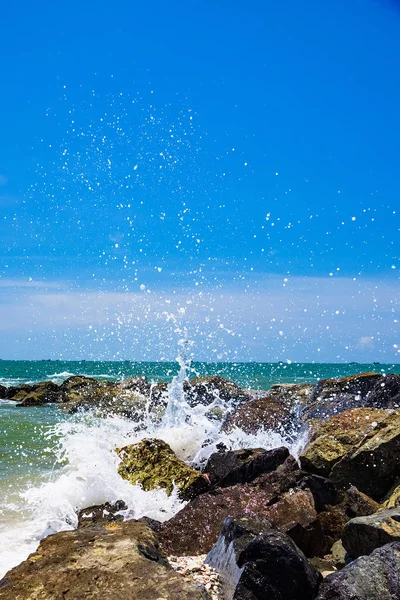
374	465
195	529
333	439
111	562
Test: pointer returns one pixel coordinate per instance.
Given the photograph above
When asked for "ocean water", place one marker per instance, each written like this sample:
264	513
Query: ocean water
52	465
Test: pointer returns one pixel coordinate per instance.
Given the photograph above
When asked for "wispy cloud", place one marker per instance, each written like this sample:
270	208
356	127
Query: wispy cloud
297	319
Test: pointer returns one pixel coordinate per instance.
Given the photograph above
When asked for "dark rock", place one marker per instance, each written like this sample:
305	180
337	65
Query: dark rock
386	392
323	490
244	465
75	383
3	392
332	521
130	398
261	413
114	561
205	390
358	504
42	393
152	464
136	384
103	513
362	535
18	393
374	577
325	566
258	562
333	396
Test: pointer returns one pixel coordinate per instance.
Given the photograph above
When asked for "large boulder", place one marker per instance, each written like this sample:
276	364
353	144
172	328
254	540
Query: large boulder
195	528
205	390
41	393
386	392
362	535
373	577
278	409
240	466
258	562
133	398
114	561
153	465
374	464
333	396
261	413
331	440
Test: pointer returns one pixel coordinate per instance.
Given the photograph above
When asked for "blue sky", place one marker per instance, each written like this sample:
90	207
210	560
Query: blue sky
231	168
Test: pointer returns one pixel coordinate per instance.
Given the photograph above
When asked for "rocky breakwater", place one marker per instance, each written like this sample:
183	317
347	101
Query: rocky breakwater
324	527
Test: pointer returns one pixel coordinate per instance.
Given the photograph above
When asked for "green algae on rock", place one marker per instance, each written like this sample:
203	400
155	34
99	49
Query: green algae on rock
152	464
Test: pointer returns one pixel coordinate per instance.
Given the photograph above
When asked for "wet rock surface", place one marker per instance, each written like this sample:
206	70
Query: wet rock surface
358	447
195	528
205	390
256	562
333	396
273	513
331	440
240	466
153	465
111	562
373	577
278	409
101	514
362	535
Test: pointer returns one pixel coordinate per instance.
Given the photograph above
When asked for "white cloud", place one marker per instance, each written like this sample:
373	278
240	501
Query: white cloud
322	319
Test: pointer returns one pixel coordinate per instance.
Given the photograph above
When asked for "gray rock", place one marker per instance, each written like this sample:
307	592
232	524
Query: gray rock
374	577
362	535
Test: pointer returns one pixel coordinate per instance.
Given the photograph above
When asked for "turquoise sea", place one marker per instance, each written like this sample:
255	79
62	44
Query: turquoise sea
52	465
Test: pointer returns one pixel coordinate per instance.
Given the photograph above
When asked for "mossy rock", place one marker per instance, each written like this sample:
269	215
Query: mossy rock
333	439
153	465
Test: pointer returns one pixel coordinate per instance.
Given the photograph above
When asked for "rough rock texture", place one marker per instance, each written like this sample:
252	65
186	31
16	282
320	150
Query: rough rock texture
195	528
333	439
386	392
101	514
261	413
240	466
362	535
111	562
279	408
333	396
3	392
42	393
374	465
258	562
393	498
152	464
374	577
205	390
